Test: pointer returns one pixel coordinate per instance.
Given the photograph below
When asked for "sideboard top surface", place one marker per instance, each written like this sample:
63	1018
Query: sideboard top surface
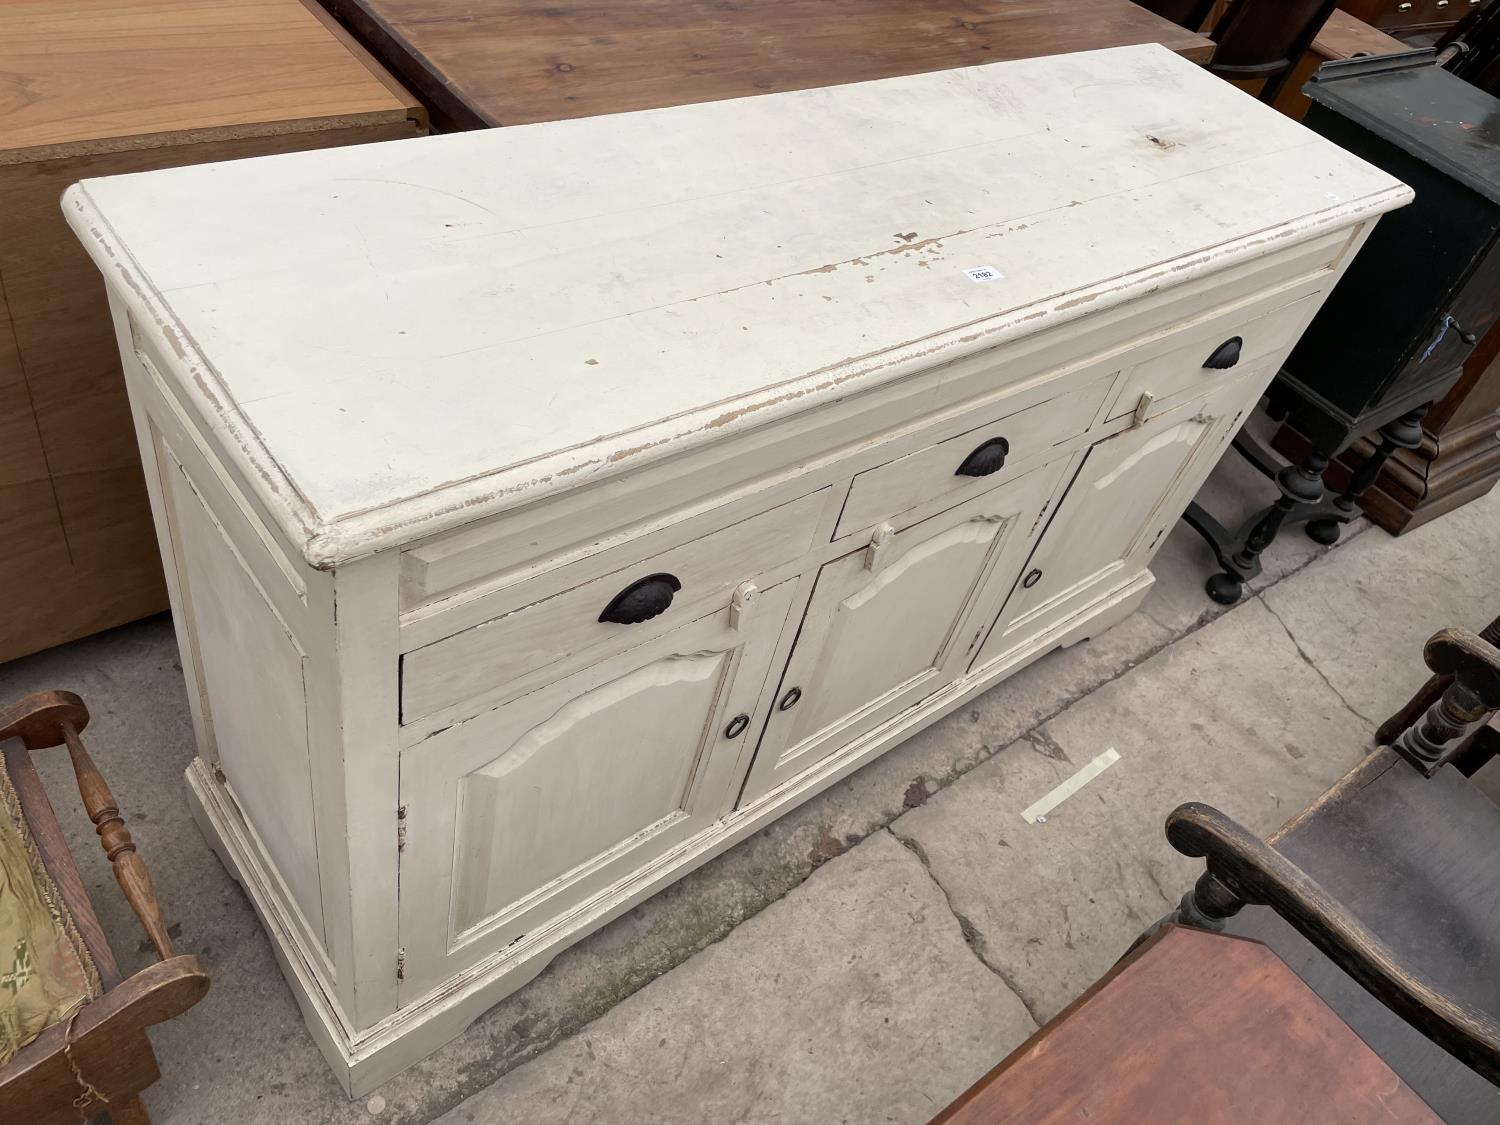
395	339
89	76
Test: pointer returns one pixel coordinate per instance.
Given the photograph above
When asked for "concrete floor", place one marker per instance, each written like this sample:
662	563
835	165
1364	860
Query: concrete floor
868	956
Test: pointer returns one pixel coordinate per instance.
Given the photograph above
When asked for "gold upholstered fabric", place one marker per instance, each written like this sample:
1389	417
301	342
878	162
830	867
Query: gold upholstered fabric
46	973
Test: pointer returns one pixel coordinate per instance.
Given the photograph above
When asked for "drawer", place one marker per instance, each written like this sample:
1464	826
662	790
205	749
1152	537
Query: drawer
1000	450
1409	15
1210	353
546	636
451	573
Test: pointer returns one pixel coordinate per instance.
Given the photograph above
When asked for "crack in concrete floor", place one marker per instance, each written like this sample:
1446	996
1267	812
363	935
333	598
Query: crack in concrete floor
1308	660
972	937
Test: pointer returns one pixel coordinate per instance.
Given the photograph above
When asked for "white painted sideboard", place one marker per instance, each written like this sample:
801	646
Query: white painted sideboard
861	397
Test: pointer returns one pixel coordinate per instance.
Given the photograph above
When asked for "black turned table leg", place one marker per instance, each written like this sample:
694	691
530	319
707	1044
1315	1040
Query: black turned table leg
1404	433
1302	501
1239	553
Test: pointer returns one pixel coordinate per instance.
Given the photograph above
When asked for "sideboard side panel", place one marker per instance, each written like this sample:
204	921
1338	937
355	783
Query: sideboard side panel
292	607
253	682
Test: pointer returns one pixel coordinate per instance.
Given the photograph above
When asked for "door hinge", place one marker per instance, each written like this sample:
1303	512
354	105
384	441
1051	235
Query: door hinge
401	828
401	963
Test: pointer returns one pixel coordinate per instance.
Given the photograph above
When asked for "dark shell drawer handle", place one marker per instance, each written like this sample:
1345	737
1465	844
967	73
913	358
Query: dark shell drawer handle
641	601
1225	355
988	458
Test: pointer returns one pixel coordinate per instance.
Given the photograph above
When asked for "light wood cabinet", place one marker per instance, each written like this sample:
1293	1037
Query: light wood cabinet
113	87
567	502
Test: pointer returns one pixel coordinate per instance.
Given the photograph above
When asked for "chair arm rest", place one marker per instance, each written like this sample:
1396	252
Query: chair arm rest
1258	874
37	719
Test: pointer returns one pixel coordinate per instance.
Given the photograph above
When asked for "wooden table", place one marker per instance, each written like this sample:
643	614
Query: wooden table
1193	1027
91	88
504	62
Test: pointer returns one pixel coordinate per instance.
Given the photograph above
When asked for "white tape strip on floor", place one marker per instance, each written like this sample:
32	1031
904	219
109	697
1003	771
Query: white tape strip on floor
1036	812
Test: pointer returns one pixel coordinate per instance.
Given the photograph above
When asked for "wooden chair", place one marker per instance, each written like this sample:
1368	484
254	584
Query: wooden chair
1254	39
1384	894
1481	745
1258	39
98	1059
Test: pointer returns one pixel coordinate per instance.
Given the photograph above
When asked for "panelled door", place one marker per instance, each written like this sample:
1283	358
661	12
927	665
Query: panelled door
895	620
541	806
1127	496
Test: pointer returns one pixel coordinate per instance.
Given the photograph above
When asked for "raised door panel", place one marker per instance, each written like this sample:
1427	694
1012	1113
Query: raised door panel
251	671
538	808
891	623
1131	489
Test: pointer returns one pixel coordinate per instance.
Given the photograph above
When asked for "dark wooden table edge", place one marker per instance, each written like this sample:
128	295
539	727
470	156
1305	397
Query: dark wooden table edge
450	109
961	1102
453	110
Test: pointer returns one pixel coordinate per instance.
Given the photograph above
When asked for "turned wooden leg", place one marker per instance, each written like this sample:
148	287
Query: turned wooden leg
1404	433
114	837
1428	694
1300	485
1208	904
1472	668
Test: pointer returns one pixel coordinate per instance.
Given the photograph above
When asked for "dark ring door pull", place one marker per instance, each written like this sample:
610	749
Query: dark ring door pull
1031	579
737	726
1225	355
987	458
642	600
789	700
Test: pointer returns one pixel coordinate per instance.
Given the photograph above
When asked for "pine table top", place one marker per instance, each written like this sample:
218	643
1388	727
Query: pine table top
89	76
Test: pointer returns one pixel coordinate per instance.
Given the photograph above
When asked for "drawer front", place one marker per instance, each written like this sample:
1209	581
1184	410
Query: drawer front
1210	354
972	462
669	589
450	576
